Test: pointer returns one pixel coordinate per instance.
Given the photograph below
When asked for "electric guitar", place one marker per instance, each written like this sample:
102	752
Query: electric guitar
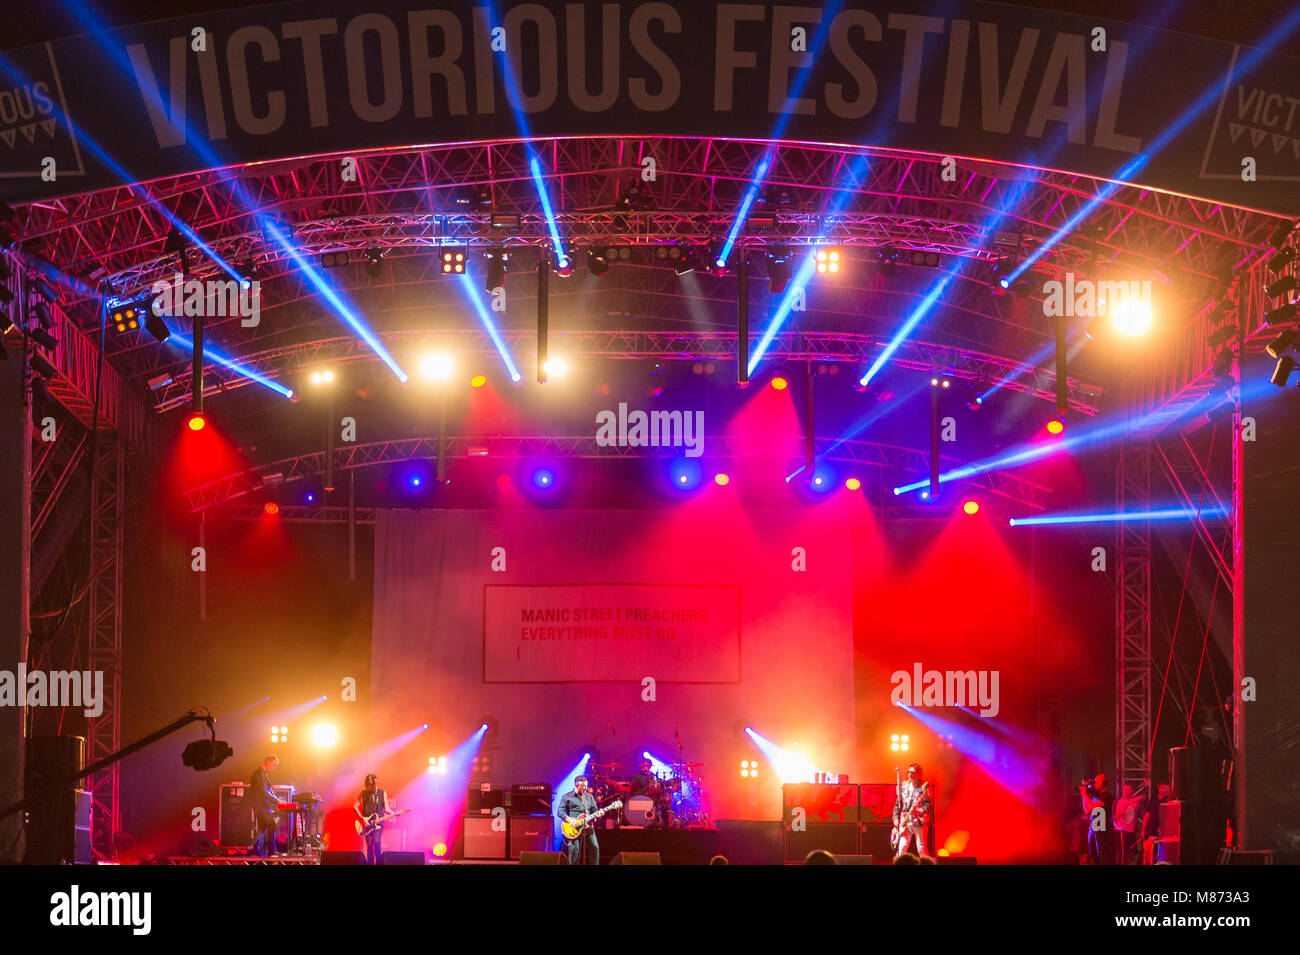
912	817
373	821
585	820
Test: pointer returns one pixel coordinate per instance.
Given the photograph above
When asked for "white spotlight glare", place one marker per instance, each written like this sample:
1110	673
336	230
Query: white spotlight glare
437	366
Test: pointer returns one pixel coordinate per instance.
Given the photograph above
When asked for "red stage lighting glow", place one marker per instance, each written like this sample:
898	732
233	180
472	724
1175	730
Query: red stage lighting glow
271	508
196	422
722	480
779	383
971	507
503	480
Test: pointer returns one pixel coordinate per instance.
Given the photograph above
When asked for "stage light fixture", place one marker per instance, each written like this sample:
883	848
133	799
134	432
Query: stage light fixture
156	327
437	366
1281	343
597	264
196	422
453	260
749	768
498	265
42	367
478	381
44	339
1282	371
159	381
324	377
41	289
1221	336
928	259
1130	317
1280	260
1282	314
324	735
205	754
555	367
971	507
721	479
6	323
505	221
898	743
779	383
374	261
1286	283
1055	424
334	260
678	257
828	260
279	734
475	197
438	765
129	316
1280	234
1223	363
779	270
853	484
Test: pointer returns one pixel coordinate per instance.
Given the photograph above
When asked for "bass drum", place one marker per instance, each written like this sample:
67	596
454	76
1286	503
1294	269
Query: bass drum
640	811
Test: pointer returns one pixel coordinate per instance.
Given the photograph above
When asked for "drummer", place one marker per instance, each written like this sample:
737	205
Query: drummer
645	782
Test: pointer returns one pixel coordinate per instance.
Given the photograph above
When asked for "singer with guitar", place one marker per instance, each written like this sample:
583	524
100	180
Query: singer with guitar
911	812
372	808
577	808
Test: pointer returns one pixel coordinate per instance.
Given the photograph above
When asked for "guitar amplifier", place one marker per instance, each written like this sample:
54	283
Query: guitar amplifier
821	802
531	834
480	839
484	797
531	799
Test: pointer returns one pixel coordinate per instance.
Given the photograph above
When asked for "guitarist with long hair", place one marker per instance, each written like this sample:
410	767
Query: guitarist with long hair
575	809
911	812
372	807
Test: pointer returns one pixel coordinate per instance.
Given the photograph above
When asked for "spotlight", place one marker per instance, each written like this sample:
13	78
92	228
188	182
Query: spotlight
440	849
543	478
374	261
334	260
454	259
322	377
971	507
828	260
129	316
438	765
270	508
898	743
928	259
324	735
505	221
779	269
205	754
1281	314
1281	343
1280	234
497	266
555	367
721	479
175	242
853	484
1130	317
1280	260
1055	424
437	366
478	381
597	264
1221	336
44	339
1286	283
675	256
279	734
156	327
1285	365
6	323
197	422
749	768
42	367
779	383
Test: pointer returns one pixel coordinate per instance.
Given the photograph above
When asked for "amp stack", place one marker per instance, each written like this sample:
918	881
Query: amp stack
501	823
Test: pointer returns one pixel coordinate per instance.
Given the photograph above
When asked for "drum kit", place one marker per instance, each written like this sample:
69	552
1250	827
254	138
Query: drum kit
673	798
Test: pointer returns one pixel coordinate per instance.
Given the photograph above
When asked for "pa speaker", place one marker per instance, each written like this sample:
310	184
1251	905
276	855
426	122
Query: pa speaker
543	858
401	858
329	857
636	858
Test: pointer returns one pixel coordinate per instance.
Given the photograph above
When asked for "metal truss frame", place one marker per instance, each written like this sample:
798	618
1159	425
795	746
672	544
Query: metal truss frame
105	637
1133	717
232	487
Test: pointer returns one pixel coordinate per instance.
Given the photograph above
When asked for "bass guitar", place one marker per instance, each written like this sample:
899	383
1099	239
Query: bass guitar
585	820
373	821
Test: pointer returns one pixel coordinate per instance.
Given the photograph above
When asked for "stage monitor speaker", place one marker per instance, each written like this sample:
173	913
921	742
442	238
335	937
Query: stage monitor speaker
350	857
543	858
636	858
388	857
848	859
235	816
483	837
531	834
837	838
